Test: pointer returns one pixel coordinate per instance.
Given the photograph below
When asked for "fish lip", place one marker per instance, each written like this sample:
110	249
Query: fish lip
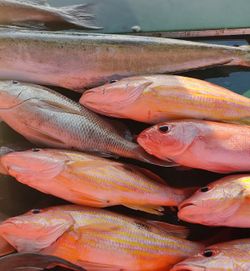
186	267
185	204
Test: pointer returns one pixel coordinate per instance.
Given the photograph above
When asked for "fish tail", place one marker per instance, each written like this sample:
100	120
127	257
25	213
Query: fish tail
143	156
244	59
79	15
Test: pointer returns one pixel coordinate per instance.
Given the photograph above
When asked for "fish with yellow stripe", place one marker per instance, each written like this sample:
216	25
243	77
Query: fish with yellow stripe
92	181
222	203
158	98
228	256
97	239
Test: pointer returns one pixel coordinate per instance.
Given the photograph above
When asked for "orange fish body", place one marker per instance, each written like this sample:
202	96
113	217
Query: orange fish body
98	239
158	98
213	146
93	181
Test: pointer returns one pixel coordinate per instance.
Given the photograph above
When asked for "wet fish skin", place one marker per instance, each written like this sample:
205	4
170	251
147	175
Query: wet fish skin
212	146
92	181
158	98
32	261
229	256
79	61
39	14
222	203
99	239
5	247
48	118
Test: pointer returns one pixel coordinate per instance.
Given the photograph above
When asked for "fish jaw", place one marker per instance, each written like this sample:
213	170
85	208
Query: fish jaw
32	165
33	235
187	267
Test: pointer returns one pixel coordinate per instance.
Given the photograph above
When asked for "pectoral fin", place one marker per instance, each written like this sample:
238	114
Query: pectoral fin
156	210
174	230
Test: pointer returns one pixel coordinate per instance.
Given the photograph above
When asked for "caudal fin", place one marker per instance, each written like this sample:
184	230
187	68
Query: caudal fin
79	15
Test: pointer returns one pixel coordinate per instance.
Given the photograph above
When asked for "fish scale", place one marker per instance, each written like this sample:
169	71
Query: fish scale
43	116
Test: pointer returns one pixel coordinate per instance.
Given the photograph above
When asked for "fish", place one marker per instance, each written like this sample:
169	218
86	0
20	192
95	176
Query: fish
79	61
7	148
97	239
45	117
228	256
212	146
224	202
89	180
157	98
38	14
34	262
5	247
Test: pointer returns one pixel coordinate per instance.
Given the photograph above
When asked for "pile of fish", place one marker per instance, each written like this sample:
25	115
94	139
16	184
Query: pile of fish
74	146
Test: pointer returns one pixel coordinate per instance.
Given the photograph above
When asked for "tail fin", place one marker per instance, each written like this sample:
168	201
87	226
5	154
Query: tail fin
79	15
143	156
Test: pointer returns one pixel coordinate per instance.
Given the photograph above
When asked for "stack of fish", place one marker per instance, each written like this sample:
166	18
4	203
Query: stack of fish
196	124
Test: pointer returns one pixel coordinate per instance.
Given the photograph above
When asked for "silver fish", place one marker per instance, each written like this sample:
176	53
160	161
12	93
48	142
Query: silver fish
46	117
38	14
77	61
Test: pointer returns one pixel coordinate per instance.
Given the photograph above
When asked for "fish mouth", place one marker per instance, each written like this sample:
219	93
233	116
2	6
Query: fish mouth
186	267
185	205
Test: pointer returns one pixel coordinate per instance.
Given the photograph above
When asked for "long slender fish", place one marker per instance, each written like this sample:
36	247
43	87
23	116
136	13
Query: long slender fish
92	181
213	146
34	262
158	98
78	61
37	13
45	117
228	256
221	203
99	240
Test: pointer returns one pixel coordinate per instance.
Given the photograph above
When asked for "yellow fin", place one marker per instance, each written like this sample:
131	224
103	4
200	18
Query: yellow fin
174	230
90	266
151	209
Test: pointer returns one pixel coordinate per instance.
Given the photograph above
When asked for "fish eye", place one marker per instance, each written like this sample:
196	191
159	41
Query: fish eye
35	150
164	129
204	189
112	81
36	211
208	253
15	82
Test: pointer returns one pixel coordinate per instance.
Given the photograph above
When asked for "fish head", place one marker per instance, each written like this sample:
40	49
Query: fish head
36	229
168	139
12	94
214	204
212	258
34	165
117	98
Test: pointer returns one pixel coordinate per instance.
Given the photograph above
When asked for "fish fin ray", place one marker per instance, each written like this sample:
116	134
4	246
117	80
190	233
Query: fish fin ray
156	210
146	172
174	230
79	15
34	2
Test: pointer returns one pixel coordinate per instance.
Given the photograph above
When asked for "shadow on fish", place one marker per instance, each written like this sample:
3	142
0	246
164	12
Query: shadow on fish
34	262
